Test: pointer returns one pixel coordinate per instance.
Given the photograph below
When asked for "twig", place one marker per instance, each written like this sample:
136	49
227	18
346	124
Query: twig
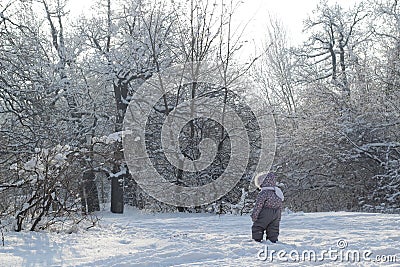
2	235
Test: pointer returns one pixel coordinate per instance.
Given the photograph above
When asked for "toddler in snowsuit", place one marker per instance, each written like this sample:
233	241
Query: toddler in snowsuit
266	214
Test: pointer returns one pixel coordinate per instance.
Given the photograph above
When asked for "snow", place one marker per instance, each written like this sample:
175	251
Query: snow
14	167
175	239
31	164
109	139
59	159
122	171
114	137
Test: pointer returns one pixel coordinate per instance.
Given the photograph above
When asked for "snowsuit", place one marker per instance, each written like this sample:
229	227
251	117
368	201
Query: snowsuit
266	215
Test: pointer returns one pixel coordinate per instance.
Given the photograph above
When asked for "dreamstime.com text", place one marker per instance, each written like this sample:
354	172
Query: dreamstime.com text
338	254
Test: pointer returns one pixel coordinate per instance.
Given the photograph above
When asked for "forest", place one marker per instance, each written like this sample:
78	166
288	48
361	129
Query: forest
67	84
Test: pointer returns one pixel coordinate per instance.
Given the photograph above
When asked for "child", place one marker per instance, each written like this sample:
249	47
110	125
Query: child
266	214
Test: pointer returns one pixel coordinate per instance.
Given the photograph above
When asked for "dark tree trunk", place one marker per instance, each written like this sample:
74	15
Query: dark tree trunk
117	195
117	182
121	93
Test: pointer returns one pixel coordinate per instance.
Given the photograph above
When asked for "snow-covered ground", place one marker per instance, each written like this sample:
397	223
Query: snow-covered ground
138	239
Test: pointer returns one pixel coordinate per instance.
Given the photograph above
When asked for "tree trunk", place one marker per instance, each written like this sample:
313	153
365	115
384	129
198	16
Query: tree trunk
117	182
117	195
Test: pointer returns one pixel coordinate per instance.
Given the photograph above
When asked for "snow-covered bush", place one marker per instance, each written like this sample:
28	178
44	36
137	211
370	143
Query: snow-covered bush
43	190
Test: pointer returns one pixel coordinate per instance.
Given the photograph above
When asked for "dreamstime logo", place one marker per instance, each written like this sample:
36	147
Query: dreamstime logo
158	129
339	254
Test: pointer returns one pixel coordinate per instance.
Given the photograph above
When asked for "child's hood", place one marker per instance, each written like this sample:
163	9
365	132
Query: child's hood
265	180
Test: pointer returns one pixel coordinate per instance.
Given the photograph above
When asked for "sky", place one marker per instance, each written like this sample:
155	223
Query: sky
256	14
292	13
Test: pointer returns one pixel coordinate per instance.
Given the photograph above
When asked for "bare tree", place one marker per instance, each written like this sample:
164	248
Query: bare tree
334	35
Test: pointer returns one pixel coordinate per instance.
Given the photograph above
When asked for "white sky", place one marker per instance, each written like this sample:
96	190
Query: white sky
290	12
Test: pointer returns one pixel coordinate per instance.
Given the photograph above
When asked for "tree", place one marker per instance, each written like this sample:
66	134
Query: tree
276	70
65	58
34	96
205	33
313	88
335	34
129	45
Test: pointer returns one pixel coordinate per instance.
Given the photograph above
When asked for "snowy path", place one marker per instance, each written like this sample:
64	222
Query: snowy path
136	239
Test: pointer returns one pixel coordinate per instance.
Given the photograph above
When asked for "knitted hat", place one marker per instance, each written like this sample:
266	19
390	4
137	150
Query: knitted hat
265	179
